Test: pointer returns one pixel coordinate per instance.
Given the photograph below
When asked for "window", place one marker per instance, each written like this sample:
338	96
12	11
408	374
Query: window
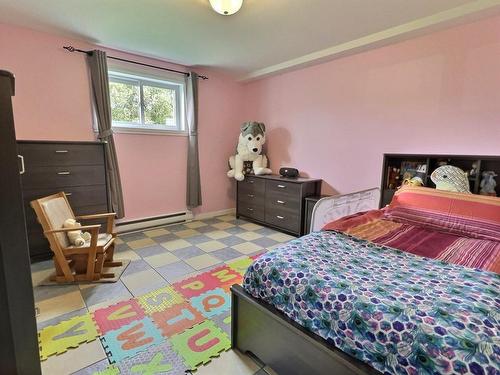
143	104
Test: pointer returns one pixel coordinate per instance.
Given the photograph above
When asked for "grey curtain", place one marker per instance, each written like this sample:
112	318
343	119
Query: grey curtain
193	196
98	67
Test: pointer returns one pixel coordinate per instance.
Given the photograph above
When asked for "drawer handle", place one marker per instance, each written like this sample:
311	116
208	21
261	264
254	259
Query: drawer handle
249	209
280	217
280	202
251	195
282	186
22	171
61	151
68	194
65	173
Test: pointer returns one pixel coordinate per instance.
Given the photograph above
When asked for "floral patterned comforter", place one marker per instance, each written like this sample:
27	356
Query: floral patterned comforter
398	312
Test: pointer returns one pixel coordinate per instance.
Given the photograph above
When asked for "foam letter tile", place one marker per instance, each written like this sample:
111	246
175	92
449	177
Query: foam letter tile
212	302
160	300
130	339
200	343
241	265
196	285
223	321
177	319
67	334
226	277
110	370
158	359
116	316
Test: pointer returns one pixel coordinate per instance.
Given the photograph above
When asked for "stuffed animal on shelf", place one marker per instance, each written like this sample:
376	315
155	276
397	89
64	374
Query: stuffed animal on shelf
488	184
450	178
76	237
414	181
252	138
393	178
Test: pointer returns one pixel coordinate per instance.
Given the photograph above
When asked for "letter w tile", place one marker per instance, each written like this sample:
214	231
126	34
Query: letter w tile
133	337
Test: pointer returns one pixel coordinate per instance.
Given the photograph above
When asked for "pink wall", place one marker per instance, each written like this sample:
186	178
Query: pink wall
53	102
435	94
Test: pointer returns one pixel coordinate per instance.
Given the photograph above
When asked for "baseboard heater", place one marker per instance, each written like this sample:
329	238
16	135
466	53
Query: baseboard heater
152	222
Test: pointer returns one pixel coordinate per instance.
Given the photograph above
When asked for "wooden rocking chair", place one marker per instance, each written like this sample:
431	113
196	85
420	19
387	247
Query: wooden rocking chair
76	263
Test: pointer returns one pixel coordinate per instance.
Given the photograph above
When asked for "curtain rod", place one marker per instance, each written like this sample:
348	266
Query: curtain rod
73	49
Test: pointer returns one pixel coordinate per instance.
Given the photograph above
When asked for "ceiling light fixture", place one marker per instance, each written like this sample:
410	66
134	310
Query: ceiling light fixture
226	7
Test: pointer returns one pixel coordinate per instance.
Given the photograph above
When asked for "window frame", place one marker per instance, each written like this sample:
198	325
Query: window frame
141	80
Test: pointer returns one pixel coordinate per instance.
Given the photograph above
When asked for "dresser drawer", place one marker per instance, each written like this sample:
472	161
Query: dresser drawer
61	177
282	187
284	219
252	185
252	211
287	202
275	200
55	154
251	197
80	196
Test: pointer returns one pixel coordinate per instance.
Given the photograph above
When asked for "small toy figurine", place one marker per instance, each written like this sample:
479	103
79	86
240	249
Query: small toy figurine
488	184
393	178
422	168
473	170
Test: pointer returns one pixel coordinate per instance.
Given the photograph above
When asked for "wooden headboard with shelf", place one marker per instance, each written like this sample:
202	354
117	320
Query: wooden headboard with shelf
415	162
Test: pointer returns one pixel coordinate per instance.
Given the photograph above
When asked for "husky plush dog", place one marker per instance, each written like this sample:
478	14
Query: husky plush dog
252	138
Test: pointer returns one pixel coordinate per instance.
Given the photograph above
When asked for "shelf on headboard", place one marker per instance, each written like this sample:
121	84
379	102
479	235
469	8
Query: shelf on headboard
483	162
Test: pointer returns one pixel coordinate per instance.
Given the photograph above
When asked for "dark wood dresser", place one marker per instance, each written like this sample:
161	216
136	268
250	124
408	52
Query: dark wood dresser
77	168
276	201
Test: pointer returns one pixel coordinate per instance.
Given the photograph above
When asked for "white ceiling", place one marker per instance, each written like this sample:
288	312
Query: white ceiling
265	36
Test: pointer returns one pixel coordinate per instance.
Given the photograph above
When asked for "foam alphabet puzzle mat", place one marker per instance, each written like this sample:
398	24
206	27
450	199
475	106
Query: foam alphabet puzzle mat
199	344
158	359
167	331
67	334
177	319
130	339
223	321
160	299
212	302
118	315
241	265
110	370
226	277
196	285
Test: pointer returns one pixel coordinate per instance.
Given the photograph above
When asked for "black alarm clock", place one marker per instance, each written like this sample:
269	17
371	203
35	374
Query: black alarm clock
289	172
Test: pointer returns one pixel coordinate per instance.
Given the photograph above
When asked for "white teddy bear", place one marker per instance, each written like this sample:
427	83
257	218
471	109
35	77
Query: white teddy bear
76	237
249	150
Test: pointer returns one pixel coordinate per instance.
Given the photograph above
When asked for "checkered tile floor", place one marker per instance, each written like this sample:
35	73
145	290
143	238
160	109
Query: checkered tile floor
159	257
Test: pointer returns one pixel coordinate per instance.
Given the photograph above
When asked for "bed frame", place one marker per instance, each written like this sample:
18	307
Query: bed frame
261	330
329	209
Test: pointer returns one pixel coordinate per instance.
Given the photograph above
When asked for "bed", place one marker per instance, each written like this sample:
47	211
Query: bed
411	289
